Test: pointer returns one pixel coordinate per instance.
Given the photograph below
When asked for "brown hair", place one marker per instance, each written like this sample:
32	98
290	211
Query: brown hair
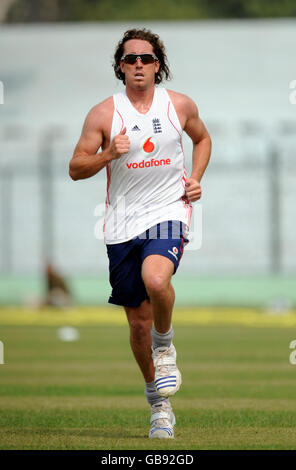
158	49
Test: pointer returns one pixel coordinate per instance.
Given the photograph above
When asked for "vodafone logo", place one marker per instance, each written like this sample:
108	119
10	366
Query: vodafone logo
175	250
149	163
149	146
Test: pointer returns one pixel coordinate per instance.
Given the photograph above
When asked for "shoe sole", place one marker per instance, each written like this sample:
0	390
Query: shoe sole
160	434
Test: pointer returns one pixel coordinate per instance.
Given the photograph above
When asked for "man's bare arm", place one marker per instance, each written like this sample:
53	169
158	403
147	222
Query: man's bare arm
86	162
202	146
192	124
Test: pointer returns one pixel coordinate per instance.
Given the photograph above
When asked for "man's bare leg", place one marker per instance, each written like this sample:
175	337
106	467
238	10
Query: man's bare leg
162	417
140	322
156	273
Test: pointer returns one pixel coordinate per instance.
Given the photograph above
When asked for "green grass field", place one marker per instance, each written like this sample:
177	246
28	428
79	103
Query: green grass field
238	387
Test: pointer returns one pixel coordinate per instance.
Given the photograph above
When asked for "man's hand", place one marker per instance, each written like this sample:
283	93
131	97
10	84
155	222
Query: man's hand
192	189
119	145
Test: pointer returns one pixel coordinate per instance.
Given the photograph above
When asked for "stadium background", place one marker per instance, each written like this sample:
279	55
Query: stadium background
239	75
236	62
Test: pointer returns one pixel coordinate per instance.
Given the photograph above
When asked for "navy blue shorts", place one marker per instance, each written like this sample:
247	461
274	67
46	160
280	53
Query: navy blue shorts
125	260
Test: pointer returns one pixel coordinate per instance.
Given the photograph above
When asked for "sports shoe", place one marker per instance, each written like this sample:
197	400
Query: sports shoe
162	421
167	375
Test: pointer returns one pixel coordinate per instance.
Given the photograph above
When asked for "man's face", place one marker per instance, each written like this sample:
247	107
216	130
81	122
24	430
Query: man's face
138	75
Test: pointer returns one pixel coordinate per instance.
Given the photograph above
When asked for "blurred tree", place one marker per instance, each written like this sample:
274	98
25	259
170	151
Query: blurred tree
121	10
271	8
226	8
250	8
4	7
111	10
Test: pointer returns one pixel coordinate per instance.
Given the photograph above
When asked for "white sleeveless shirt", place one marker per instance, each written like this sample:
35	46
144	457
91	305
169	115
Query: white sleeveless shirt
146	185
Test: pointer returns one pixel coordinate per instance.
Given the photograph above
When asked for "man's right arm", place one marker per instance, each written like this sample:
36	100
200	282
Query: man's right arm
86	162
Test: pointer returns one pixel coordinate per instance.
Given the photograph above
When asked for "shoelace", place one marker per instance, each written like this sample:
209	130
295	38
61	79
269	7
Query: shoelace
163	368
161	422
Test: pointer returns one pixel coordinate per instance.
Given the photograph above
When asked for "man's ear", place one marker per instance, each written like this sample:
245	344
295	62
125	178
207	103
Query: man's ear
157	66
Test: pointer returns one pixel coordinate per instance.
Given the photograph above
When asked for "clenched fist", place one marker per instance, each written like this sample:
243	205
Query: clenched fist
192	189
119	145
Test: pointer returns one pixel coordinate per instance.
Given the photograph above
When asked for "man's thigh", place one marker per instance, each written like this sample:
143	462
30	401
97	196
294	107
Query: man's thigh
157	267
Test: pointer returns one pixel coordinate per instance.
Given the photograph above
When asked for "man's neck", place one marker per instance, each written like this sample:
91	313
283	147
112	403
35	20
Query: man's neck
140	99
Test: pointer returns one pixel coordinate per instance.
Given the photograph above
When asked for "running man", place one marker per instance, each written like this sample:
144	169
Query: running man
148	204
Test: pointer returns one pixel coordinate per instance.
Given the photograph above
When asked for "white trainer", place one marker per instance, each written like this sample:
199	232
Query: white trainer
167	375
162	421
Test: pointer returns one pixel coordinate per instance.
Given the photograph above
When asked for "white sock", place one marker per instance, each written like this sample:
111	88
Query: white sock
151	394
162	339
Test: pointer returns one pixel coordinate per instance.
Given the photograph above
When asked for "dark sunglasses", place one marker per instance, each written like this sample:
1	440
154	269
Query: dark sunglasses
145	58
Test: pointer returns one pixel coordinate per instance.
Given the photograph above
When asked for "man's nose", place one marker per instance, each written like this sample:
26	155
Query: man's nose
139	62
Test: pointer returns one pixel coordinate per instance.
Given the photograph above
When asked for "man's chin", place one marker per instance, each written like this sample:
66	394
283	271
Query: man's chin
140	85
139	81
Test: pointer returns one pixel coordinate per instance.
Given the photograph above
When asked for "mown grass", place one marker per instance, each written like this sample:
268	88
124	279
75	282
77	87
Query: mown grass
238	390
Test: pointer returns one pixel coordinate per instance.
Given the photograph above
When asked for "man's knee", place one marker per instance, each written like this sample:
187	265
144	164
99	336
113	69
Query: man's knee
156	284
140	320
139	328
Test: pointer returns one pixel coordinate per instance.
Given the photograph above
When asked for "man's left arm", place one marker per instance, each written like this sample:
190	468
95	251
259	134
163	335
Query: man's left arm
202	145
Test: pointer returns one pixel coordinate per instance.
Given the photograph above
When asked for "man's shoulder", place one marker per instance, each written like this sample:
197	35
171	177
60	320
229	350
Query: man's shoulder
181	101
101	114
184	106
104	107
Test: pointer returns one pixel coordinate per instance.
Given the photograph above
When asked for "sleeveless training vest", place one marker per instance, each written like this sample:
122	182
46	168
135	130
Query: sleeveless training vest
146	185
